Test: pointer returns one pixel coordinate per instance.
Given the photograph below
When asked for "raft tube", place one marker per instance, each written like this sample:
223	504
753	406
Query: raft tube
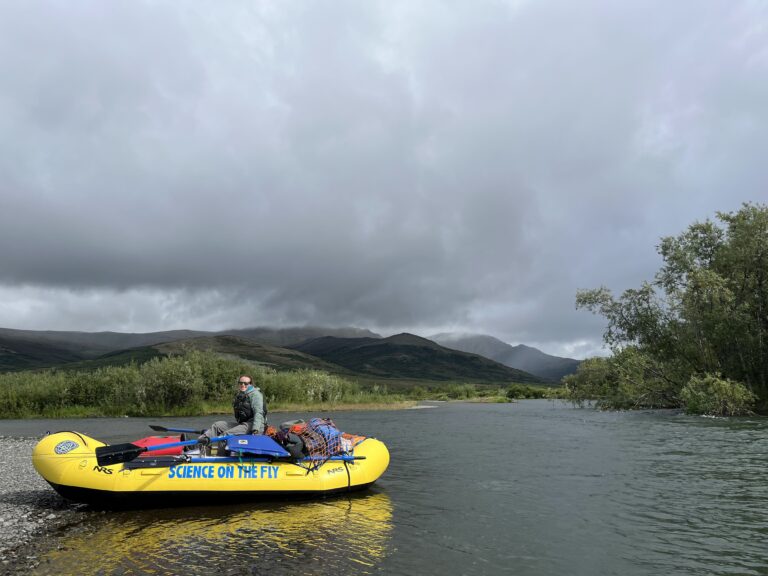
67	461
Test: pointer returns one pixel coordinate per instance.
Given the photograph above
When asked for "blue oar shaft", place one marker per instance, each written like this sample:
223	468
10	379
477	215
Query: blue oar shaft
185	443
235	459
321	458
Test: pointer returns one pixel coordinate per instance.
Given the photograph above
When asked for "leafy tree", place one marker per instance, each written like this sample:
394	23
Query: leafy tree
628	380
712	395
705	312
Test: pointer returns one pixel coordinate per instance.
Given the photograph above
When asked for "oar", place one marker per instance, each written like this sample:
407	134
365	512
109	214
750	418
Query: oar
343	458
157	428
248	459
117	453
257	458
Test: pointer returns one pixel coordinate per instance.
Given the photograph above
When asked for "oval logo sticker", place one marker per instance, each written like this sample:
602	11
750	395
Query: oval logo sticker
66	446
242	441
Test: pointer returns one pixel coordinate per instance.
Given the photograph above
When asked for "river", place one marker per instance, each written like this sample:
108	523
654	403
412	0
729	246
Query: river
531	488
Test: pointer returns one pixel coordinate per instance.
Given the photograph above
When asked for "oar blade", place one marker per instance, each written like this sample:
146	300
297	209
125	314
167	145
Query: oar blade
117	453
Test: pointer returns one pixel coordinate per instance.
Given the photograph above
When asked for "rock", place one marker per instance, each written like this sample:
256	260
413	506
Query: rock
27	504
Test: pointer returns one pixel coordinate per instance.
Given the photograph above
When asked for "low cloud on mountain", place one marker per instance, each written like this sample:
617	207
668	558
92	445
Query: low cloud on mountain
397	166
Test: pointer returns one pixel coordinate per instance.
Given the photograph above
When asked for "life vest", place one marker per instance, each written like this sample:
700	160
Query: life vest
242	406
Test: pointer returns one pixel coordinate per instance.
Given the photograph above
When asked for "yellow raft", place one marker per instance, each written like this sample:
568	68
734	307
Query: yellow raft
67	461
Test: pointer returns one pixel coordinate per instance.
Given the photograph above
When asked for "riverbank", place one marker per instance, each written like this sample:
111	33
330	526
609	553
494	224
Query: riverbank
342	407
30	511
220	409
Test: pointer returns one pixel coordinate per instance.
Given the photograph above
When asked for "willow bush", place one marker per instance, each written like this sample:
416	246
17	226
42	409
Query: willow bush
712	395
187	384
705	312
522	391
313	386
627	380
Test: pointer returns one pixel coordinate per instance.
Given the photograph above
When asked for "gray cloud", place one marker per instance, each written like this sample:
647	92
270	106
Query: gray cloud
391	165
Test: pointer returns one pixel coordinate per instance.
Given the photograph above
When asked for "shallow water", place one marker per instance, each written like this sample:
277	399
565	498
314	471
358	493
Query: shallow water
529	488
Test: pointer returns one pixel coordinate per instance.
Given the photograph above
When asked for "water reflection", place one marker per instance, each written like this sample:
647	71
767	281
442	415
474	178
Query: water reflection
540	489
347	535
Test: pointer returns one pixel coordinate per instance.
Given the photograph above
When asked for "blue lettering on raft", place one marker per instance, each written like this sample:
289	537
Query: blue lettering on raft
258	472
225	472
196	471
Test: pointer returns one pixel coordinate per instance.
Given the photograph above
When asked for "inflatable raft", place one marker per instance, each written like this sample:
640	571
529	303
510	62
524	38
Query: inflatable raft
83	469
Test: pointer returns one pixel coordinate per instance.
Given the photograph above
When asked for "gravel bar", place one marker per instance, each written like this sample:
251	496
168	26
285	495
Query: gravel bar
31	512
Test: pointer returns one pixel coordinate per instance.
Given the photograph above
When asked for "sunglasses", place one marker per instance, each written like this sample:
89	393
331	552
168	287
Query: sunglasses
243	383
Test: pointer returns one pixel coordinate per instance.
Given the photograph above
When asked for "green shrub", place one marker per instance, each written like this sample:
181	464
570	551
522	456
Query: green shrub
460	391
715	396
629	379
302	386
520	391
186	384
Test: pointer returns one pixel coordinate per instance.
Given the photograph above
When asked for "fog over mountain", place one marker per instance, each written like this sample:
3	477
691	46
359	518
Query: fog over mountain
396	166
521	357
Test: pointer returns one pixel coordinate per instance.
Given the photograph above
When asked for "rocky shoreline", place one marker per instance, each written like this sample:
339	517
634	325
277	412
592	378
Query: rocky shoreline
31	513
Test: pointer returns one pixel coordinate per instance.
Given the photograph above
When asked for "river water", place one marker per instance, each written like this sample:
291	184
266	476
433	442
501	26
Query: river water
531	488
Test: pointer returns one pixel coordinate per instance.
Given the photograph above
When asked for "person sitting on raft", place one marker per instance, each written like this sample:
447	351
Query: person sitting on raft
249	412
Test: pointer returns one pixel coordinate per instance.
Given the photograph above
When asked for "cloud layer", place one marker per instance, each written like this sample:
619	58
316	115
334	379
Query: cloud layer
391	165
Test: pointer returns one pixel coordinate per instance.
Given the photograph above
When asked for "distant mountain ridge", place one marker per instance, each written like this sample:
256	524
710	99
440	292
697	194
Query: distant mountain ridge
521	357
92	344
286	336
346	350
33	349
410	356
275	357
23	354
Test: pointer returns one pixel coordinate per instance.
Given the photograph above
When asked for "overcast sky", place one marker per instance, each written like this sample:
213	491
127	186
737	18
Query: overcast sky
419	166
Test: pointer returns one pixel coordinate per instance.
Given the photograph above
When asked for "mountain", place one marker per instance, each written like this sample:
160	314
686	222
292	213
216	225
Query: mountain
412	357
272	356
351	351
521	357
86	345
288	336
32	349
23	354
